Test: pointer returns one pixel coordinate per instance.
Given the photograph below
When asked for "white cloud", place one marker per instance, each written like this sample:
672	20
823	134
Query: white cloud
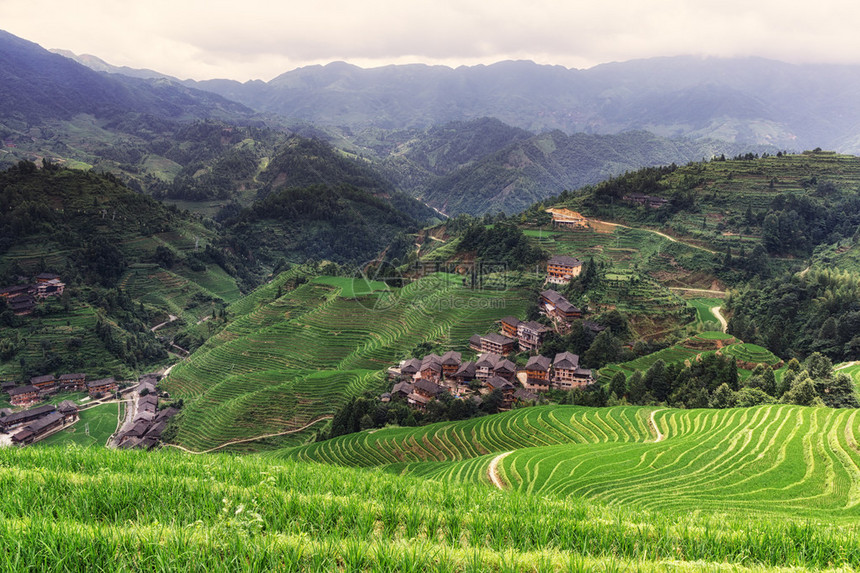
263	38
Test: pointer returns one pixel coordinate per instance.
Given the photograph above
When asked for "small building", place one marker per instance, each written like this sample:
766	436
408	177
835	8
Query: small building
646	200
423	392
485	364
509	326
465	373
451	362
475	342
46	277
530	335
24	395
69	411
567	218
431	367
497	344
409	368
53	287
523	396
75	382
556	306
38	429
561	269
22	418
44	383
538	373
102	386
505	387
567	374
506	369
21	305
402	389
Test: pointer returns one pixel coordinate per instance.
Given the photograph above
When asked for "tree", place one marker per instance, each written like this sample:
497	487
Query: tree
802	392
618	385
636	388
657	381
723	397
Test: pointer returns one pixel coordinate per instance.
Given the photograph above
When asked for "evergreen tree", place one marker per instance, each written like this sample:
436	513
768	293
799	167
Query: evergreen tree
618	384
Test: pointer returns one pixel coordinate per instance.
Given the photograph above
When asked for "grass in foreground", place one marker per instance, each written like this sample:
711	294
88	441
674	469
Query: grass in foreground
85	509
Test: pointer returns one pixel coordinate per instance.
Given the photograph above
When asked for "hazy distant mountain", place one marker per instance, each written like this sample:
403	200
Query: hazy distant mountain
99	65
749	100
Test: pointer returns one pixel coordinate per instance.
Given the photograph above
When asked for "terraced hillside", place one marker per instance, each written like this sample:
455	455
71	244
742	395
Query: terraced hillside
285	364
92	509
769	460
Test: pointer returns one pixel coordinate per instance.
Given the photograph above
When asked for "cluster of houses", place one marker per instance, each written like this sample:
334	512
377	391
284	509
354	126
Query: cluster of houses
42	386
21	299
37	423
148	423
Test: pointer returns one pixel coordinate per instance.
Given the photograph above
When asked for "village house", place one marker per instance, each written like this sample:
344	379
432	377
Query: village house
497	344
17	419
423	392
44	383
409	368
556	306
75	382
23	395
505	369
475	342
485	364
451	362
530	335
402	389
431	367
53	287
505	387
103	386
561	269
538	373
567	219
69	411
567	374
465	373
46	278
523	396
646	200
510	325
38	429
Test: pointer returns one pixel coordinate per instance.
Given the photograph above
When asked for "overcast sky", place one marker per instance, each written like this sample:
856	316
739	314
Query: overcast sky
260	39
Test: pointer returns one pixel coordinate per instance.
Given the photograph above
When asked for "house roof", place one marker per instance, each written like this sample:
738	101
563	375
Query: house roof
101	382
418	398
47	276
523	394
475	340
452	358
402	388
566	360
552	296
499	383
428	386
511	320
22	390
166	414
498	339
535	326
74	376
410	366
539	363
505	366
565	261
566	307
29	414
67	406
466	370
42	379
593	326
42	423
487	360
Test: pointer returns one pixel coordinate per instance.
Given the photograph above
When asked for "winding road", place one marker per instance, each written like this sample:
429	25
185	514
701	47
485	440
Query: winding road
254	439
660	435
716	312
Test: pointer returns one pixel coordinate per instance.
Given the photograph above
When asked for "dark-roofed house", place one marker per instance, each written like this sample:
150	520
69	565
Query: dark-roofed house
44	383
410	367
531	334
53	287
475	342
431	367
524	396
402	389
506	369
537	373
451	362
567	374
148	403
23	395
465	373
69	410
102	386
555	305
46	277
497	344
20	418
505	387
38	429
561	269
509	326
21	304
485	364
423	392
75	382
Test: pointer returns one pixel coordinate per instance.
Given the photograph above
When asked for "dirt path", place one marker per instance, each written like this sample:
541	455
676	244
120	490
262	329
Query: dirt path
716	312
493	471
660	436
700	290
170	318
664	235
254	439
847	365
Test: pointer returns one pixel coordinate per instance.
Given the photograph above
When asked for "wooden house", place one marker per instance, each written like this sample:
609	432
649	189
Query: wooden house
46	277
44	383
485	364
409	368
506	369
509	326
505	387
53	287
21	418
69	411
475	342
431	367
38	429
567	374
530	335
568	219
75	382
556	306
497	344
423	392
102	386
451	362
24	395
465	373
561	269
402	389
538	373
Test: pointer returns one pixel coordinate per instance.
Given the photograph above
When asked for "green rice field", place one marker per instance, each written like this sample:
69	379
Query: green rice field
93	428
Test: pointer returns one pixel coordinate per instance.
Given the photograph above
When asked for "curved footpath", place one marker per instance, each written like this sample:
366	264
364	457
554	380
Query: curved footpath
660	435
723	323
493	471
254	439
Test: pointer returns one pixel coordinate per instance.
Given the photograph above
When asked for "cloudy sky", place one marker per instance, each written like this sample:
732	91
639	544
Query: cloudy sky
260	39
